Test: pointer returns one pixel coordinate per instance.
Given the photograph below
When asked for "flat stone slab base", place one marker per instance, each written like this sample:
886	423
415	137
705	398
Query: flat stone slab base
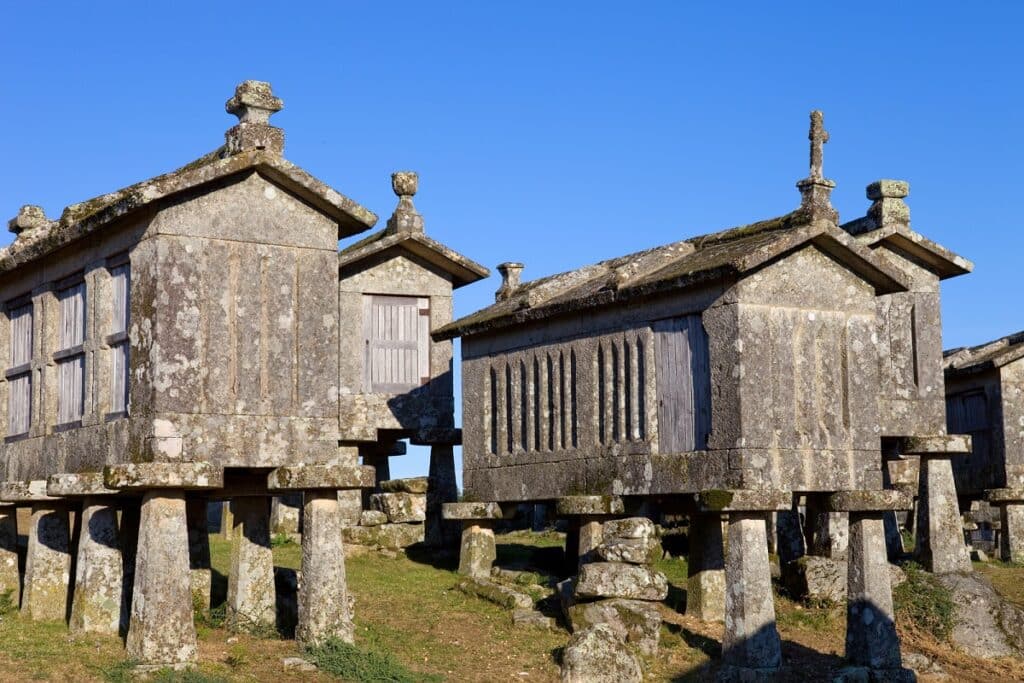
163	475
24	491
471	511
744	500
569	506
936	446
82	484
307	477
870	501
1005	496
497	593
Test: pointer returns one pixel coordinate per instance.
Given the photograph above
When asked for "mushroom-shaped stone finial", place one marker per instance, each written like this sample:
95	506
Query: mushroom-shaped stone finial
253	104
30	217
405	218
510	272
888	208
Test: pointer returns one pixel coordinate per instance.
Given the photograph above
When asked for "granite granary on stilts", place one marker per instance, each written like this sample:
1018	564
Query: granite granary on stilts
198	336
985	398
726	377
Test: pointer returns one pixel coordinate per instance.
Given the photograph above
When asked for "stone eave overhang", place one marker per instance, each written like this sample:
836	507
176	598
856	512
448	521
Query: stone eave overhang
462	270
963	362
918	248
81	220
719	260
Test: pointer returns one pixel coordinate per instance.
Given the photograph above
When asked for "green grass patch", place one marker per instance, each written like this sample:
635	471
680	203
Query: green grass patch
280	540
922	603
352	664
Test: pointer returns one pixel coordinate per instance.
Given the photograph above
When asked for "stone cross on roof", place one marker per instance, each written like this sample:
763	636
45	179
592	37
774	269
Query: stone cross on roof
818	137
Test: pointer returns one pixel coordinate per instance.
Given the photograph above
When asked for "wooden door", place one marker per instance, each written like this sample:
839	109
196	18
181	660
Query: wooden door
684	384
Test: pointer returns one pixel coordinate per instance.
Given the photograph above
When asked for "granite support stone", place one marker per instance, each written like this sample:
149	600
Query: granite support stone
443	489
1011	538
325	610
10	577
871	639
791	545
128	537
227	520
940	541
589	536
162	632
705	585
751	639
251	597
48	563
199	551
99	573
477	552
285	515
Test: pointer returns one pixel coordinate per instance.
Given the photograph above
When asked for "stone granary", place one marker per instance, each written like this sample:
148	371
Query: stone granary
198	336
985	398
725	374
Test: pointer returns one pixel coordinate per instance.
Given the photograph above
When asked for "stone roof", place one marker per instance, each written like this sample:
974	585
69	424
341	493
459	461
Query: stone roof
405	231
718	256
993	354
251	146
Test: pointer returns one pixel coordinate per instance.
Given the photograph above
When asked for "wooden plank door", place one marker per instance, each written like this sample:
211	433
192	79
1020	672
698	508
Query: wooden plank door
683	384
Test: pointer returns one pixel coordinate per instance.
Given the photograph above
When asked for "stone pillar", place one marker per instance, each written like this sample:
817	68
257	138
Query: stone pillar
871	638
1011	540
10	576
128	536
382	472
940	541
831	535
48	563
285	514
751	640
705	585
227	520
162	632
324	607
199	552
791	546
478	552
251	598
443	489
99	574
589	536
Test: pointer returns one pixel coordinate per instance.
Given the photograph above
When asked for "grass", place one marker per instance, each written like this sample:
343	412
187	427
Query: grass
921	602
353	664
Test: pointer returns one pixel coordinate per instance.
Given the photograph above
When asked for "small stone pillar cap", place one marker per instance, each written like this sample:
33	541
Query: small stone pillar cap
870	501
944	445
254	102
30	217
163	475
471	511
744	500
888	189
572	506
313	477
510	272
405	218
405	183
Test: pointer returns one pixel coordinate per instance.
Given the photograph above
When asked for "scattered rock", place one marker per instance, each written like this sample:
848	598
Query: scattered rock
400	507
598	655
986	625
533	618
923	665
498	593
633	540
477	552
410	485
372	518
897	577
817	578
298	664
617	580
394	536
637	622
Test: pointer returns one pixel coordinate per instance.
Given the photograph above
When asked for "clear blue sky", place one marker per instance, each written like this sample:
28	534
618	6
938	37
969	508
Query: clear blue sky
553	135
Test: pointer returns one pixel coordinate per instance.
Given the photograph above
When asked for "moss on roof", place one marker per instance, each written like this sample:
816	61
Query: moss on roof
991	354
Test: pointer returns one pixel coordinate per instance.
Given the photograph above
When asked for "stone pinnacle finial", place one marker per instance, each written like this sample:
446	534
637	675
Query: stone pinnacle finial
815	189
254	103
888	208
405	218
510	272
30	218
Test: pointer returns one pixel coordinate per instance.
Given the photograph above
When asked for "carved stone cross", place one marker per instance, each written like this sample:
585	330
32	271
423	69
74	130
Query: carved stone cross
818	137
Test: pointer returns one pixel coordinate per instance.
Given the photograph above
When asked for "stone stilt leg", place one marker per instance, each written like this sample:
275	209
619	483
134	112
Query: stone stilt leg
871	639
285	512
478	552
940	542
48	564
99	574
162	632
539	519
572	545
1011	540
251	580
705	586
791	545
443	489
382	470
10	579
199	552
893	538
227	520
324	607
751	640
590	536
831	535
773	534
